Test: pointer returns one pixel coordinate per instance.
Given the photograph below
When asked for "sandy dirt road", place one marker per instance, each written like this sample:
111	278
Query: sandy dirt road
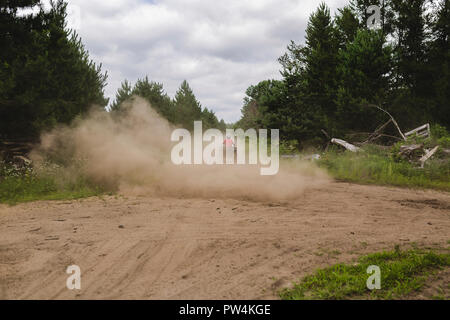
166	248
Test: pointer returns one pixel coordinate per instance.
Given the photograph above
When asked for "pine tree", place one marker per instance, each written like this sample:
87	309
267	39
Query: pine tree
263	105
250	115
123	94
183	110
347	25
310	82
187	107
49	76
440	64
321	58
222	125
154	93
364	79
209	119
409	27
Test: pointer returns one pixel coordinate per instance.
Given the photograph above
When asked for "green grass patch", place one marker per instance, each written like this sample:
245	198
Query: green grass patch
384	166
23	189
378	167
402	272
24	184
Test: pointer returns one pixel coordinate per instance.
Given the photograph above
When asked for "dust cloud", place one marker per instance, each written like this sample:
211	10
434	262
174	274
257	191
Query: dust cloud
130	153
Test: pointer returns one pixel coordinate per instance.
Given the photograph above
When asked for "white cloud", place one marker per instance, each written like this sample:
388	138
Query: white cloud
220	48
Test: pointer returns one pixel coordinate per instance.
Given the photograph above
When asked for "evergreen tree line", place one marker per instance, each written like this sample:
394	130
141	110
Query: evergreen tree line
46	76
183	110
333	81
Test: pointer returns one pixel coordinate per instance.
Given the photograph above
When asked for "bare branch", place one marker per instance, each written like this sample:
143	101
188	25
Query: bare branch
392	118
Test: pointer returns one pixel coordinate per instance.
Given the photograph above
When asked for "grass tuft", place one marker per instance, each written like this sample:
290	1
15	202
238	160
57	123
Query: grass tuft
402	272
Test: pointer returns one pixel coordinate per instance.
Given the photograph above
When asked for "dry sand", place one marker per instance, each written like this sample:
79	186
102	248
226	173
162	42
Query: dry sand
144	247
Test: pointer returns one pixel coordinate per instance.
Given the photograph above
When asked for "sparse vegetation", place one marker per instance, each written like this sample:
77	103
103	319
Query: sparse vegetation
377	165
402	273
376	168
21	184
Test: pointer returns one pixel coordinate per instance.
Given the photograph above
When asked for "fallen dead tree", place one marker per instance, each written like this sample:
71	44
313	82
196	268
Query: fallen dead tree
346	145
408	150
427	156
377	133
392	119
414	153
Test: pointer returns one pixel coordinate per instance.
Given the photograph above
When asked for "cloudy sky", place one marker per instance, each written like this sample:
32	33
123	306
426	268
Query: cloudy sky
219	47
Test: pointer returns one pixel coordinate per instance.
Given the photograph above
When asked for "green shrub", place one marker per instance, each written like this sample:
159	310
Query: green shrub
438	131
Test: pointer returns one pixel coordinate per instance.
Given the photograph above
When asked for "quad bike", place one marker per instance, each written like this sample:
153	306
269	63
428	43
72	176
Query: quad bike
234	148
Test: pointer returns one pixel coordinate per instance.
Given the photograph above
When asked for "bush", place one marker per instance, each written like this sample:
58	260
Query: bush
438	132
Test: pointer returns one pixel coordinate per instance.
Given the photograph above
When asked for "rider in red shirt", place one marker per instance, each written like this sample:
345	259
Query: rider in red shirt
228	142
